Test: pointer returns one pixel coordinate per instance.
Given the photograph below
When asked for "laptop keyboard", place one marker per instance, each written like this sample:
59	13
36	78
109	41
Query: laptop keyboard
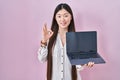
83	56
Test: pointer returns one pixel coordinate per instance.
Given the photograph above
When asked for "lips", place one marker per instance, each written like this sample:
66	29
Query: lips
63	23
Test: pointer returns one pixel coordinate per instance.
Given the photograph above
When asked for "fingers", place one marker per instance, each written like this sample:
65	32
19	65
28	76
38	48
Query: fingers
45	30
45	27
90	64
50	32
47	33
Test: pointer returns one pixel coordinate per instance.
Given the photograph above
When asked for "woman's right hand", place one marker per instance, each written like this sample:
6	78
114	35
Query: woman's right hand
46	33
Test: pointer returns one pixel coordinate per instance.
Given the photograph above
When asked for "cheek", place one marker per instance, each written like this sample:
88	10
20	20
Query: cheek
68	20
57	20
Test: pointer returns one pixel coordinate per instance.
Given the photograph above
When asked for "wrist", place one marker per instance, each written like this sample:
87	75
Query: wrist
43	43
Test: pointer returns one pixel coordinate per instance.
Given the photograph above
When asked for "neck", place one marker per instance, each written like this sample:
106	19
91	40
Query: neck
62	32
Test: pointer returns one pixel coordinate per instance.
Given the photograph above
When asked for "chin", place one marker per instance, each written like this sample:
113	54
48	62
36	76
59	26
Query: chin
64	27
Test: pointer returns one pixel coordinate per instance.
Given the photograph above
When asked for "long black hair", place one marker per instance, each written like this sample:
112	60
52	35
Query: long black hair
54	28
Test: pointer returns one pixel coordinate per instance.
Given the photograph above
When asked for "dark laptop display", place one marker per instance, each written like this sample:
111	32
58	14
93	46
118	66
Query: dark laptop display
82	47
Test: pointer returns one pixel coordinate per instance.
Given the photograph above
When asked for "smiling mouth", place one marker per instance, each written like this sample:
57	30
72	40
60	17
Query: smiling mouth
63	24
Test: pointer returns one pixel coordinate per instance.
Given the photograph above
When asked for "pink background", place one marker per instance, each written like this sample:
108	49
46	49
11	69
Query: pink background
20	34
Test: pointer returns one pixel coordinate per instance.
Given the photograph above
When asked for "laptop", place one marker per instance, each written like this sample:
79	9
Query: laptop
82	47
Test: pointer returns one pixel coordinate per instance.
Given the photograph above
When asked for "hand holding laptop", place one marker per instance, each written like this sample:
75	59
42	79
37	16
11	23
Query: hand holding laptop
89	64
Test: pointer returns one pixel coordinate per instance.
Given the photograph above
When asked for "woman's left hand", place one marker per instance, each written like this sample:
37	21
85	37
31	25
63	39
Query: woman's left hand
89	64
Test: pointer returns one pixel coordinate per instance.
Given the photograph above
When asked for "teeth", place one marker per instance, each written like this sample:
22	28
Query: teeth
63	23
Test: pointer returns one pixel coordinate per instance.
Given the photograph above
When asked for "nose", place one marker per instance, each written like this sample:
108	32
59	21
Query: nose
62	19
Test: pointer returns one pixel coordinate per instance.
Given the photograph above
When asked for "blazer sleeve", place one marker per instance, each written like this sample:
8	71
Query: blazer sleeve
42	54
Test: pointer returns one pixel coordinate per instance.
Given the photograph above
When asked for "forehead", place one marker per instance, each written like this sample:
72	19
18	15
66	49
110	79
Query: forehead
62	11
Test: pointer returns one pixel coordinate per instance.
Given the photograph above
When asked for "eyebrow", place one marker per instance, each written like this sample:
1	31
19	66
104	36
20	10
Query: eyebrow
63	14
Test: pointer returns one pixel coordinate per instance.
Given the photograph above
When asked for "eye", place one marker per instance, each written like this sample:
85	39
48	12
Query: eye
59	16
66	15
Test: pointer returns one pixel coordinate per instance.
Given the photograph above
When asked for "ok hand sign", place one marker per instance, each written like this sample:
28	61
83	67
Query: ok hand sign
46	33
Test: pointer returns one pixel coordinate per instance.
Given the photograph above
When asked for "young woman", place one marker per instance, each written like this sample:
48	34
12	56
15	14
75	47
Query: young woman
53	46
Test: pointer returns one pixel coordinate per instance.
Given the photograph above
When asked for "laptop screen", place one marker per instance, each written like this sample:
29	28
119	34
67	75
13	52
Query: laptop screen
82	42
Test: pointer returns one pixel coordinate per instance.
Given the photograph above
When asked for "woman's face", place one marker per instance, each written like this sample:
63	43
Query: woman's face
63	18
